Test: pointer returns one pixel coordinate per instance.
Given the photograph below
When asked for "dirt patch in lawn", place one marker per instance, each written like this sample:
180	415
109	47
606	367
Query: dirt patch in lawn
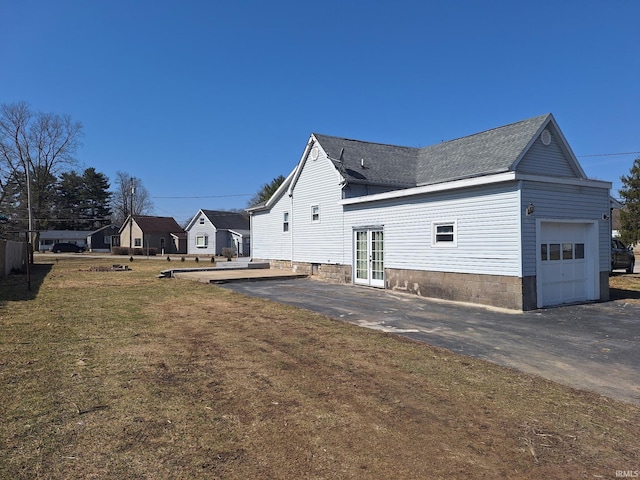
130	376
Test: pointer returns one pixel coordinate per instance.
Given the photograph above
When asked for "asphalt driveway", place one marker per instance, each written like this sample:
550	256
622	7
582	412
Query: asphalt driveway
594	347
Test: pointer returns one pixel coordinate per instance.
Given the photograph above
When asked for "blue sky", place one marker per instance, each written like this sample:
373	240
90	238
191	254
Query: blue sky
212	99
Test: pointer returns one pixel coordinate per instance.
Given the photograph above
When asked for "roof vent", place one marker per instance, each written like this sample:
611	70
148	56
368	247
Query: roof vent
362	163
545	137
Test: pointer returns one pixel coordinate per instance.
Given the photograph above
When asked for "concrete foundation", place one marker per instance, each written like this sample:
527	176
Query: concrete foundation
512	293
495	290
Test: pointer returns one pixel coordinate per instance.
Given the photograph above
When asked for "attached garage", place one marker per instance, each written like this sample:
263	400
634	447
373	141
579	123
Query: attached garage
567	262
505	217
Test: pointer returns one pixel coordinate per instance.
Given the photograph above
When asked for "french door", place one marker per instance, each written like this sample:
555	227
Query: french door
369	257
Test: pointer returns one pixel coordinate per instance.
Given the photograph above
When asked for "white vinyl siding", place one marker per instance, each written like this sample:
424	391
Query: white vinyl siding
268	240
201	229
318	241
487	223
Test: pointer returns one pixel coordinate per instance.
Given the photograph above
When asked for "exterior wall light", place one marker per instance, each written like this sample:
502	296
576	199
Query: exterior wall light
530	209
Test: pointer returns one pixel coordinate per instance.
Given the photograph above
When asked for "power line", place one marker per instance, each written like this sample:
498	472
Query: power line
608	154
213	196
97	219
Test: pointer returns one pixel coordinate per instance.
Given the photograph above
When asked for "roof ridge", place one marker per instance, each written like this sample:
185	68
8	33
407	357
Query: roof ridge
545	115
365	141
488	130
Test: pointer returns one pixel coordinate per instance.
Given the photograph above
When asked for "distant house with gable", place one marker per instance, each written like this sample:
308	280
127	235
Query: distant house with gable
209	231
102	239
162	233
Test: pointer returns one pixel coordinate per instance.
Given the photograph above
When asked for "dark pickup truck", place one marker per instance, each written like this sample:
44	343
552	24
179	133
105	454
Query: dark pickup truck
622	257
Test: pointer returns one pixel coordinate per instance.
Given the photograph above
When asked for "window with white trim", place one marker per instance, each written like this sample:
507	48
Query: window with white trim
137	242
444	234
201	220
285	222
315	213
202	241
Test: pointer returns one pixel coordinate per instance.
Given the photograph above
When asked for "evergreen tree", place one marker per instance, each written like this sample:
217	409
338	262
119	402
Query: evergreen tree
82	201
96	199
630	213
68	201
266	191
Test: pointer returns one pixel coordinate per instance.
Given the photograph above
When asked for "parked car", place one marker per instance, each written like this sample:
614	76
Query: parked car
66	247
622	257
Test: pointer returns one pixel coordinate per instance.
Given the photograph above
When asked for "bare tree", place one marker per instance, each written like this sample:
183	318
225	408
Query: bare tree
34	149
129	193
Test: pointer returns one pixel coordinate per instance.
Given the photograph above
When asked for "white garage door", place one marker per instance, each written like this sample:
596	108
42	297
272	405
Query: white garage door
566	260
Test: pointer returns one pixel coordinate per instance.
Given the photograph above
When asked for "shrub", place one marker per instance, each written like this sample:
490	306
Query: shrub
152	251
228	252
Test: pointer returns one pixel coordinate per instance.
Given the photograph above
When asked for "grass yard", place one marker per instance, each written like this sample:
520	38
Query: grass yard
119	374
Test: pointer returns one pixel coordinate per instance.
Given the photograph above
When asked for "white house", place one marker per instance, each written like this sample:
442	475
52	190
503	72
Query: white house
209	231
505	217
48	237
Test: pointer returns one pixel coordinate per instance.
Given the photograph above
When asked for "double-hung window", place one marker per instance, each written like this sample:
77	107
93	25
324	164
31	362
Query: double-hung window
285	222
444	234
315	213
202	241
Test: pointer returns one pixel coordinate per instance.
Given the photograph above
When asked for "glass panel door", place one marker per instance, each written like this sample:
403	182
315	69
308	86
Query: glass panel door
362	257
369	257
377	258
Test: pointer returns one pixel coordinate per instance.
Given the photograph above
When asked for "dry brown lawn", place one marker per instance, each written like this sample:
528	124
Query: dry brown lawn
624	286
123	375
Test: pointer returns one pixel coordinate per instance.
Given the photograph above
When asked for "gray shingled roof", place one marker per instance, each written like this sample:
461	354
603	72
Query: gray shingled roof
227	220
150	224
383	164
488	152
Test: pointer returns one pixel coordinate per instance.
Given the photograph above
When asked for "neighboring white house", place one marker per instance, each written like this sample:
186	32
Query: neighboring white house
209	231
48	237
506	217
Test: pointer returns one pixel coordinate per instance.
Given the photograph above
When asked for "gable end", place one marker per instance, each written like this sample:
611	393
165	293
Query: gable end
550	155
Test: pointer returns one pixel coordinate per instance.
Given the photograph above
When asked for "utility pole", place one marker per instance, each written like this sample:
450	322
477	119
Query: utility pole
30	236
133	191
